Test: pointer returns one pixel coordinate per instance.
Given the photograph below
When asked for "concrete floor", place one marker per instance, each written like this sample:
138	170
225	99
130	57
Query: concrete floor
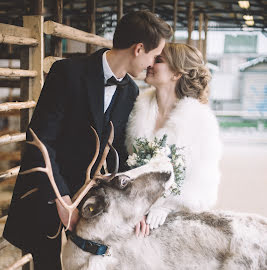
244	178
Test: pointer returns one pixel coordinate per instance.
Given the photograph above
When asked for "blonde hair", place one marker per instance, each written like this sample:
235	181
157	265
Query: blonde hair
187	60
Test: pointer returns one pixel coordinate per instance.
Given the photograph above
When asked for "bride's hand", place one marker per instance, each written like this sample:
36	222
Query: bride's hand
143	226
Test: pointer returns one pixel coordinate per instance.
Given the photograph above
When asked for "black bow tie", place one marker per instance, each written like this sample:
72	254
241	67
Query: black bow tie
112	81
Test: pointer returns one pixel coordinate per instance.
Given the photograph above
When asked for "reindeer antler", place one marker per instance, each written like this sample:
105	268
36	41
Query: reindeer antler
89	183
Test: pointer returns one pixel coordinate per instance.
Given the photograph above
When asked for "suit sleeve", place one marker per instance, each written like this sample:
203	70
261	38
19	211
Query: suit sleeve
47	122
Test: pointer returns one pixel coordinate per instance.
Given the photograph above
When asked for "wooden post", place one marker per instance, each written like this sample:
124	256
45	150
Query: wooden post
36	7
119	9
32	58
175	7
56	43
200	21
91	10
153	6
205	39
190	24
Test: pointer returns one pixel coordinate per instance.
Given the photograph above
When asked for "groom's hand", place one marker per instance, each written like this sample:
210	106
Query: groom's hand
143	227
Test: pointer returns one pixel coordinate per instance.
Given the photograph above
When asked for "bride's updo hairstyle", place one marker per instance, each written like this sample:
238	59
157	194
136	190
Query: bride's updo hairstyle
187	60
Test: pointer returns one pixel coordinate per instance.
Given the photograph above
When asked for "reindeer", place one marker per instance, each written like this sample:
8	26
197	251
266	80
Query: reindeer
104	237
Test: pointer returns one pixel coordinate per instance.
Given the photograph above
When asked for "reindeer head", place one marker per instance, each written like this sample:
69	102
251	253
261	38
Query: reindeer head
129	194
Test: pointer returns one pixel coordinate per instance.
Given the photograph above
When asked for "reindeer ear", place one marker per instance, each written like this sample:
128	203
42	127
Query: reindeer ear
121	181
94	205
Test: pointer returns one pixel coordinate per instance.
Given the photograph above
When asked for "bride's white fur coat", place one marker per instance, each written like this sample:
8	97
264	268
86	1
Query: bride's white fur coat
191	125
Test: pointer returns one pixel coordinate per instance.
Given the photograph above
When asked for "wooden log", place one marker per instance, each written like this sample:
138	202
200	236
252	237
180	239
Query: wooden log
200	21
64	31
119	9
10	82
175	8
17	137
205	39
91	10
16	31
56	42
10	156
25	259
3	243
4	208
36	54
49	61
36	7
12	72
7	106
25	86
18	40
190	25
153	6
9	173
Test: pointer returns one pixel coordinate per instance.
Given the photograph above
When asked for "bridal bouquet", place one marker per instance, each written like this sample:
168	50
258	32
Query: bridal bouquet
144	150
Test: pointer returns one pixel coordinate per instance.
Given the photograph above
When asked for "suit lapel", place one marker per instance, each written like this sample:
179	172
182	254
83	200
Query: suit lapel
122	106
95	86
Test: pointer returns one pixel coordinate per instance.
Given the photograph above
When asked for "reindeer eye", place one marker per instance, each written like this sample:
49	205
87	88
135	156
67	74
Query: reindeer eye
91	209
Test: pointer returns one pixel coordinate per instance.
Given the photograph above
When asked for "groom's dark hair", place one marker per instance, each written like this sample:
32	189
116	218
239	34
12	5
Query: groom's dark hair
140	27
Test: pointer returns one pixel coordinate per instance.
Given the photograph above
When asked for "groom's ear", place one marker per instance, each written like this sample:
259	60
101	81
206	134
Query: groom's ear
138	47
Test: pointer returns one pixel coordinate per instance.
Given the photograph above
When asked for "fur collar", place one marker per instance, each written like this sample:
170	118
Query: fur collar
188	117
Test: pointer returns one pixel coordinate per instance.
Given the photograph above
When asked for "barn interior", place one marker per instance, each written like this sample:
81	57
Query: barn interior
35	33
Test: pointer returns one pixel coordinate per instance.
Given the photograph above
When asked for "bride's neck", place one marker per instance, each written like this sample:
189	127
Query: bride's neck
166	101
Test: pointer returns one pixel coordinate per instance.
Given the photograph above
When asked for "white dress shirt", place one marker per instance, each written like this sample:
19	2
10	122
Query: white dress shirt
109	90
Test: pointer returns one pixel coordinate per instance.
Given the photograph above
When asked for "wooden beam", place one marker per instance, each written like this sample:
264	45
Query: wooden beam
36	54
153	6
10	83
190	18
3	243
9	173
56	42
17	137
200	21
25	259
13	72
119	9
91	11
18	40
63	31
10	156
205	38
16	31
36	7
4	208
7	106
175	8
49	61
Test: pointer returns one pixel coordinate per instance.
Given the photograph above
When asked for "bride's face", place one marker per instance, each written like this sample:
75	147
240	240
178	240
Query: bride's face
159	74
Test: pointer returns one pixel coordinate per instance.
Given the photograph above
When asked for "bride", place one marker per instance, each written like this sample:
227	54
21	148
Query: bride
178	108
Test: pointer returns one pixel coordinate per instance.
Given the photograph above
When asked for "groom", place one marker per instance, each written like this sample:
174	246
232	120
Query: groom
79	93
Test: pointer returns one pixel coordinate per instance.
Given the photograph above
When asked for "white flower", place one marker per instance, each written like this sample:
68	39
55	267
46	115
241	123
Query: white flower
151	144
166	150
160	156
179	161
131	161
174	186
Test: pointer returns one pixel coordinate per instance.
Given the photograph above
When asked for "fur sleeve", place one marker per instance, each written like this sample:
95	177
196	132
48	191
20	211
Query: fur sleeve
196	129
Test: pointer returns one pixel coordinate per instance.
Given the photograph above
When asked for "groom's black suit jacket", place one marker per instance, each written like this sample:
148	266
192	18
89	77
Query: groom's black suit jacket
71	101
